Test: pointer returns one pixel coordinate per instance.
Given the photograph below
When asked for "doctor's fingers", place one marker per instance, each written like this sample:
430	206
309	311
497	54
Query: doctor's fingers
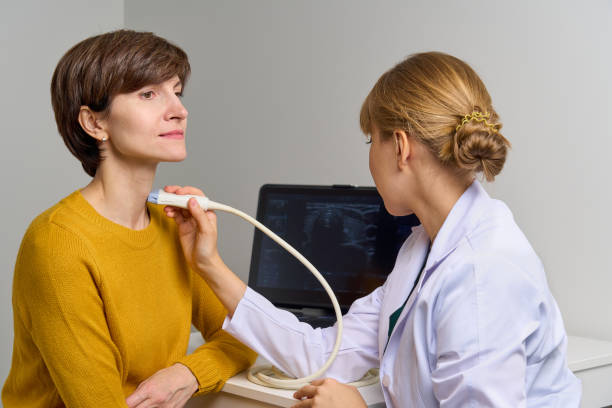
180	215
206	220
307	391
180	218
312	389
184	190
328	393
307	403
193	219
171	189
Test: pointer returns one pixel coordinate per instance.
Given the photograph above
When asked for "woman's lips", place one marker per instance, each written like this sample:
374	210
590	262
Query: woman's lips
175	134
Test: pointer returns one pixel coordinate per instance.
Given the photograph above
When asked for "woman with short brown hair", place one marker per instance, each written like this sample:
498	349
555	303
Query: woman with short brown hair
103	299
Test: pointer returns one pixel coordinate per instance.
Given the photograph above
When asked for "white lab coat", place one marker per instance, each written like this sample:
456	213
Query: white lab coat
480	329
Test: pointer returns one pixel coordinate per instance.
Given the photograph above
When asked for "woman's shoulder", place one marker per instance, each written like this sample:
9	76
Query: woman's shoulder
496	237
51	248
52	234
499	268
58	216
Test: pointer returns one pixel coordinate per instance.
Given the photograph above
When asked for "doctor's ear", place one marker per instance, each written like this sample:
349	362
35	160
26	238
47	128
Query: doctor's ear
403	147
90	122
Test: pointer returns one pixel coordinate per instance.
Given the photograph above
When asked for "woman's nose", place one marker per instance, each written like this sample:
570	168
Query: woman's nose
177	110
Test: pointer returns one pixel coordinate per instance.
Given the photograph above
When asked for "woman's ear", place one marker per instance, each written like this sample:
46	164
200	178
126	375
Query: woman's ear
403	147
89	121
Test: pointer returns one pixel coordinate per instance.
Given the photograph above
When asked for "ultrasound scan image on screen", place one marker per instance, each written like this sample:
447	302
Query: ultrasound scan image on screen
349	237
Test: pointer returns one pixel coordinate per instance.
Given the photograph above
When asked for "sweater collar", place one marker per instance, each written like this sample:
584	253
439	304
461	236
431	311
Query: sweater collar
133	238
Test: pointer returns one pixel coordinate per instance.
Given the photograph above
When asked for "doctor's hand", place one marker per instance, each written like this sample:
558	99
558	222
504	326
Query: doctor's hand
168	388
197	229
328	393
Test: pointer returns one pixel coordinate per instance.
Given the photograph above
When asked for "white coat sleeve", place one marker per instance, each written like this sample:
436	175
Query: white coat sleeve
483	316
298	349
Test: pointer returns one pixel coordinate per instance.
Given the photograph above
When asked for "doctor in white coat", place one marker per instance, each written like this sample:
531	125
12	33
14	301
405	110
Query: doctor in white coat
466	317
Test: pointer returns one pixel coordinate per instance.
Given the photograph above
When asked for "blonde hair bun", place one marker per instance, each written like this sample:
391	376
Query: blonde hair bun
477	147
441	101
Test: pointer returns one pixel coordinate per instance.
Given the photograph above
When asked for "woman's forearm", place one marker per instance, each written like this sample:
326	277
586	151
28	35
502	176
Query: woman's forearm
227	286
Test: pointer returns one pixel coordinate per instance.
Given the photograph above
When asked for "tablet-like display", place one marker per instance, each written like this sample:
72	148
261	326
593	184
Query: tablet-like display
345	232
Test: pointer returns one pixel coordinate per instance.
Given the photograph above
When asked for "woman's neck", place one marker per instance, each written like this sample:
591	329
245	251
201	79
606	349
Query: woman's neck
119	193
437	198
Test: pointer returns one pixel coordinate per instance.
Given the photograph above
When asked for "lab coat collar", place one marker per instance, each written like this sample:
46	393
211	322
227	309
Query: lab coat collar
462	219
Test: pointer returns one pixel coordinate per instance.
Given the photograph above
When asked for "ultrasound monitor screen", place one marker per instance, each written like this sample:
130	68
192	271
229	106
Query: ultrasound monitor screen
346	233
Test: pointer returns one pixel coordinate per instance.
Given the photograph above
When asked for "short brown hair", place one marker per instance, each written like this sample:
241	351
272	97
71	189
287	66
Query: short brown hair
428	95
95	70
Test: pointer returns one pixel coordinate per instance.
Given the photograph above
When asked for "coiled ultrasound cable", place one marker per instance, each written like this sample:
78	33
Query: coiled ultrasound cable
271	376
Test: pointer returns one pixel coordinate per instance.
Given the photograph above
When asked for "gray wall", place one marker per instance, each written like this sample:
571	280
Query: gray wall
36	169
277	86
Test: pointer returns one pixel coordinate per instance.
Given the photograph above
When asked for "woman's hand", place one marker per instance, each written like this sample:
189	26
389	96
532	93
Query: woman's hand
327	392
169	387
198	235
199	242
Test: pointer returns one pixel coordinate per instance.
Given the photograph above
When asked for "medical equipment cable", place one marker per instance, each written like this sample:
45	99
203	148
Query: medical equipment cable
259	377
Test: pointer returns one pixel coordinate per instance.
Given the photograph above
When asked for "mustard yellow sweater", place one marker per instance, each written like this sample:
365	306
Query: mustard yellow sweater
99	308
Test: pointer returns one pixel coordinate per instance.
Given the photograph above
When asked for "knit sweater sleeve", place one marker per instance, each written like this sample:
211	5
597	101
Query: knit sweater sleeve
57	301
222	356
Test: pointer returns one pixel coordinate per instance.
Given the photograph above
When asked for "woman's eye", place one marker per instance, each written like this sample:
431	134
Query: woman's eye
147	95
368	139
179	94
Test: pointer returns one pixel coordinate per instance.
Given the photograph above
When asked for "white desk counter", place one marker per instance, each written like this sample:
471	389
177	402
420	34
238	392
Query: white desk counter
589	359
239	392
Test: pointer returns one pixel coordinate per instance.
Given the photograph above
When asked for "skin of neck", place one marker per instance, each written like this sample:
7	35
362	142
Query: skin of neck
119	191
435	199
430	189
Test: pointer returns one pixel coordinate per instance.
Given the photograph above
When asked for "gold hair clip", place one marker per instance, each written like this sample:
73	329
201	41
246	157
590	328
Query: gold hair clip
478	117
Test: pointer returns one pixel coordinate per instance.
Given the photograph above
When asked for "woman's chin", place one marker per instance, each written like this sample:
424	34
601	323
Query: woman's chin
173	160
398	212
175	157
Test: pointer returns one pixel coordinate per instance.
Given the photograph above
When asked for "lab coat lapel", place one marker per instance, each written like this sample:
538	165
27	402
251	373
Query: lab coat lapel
462	218
402	281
